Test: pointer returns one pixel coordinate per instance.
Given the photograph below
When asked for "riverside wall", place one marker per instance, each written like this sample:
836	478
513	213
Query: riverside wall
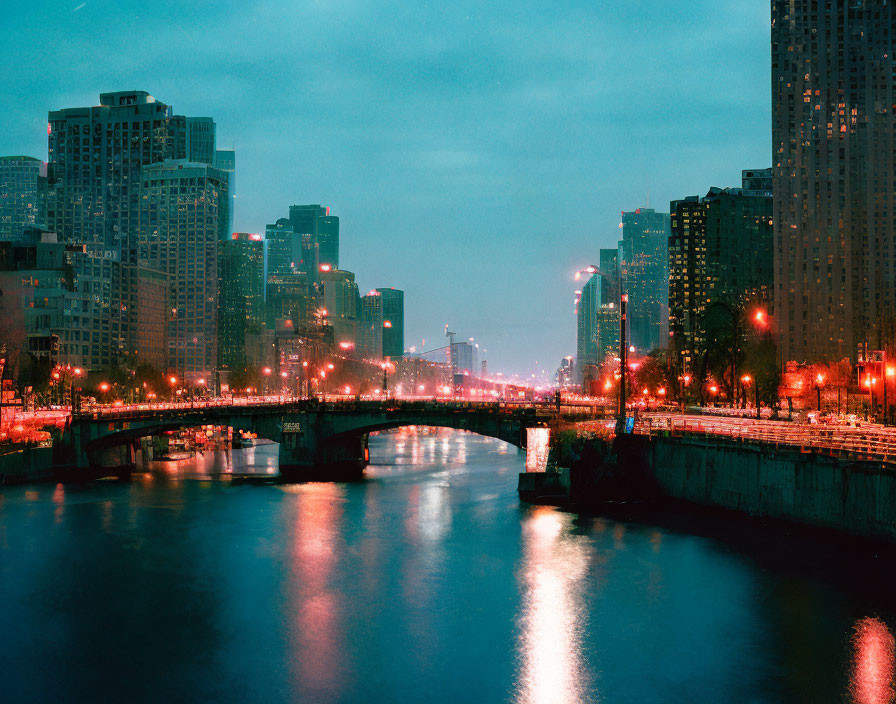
847	495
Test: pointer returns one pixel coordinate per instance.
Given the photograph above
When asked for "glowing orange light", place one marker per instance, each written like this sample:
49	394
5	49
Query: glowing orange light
330	366
104	387
873	668
78	371
266	371
662	392
819	379
387	323
713	389
746	379
201	382
346	345
304	364
172	380
326	267
891	371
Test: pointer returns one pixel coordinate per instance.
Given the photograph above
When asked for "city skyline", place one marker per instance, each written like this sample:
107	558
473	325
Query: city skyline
478	145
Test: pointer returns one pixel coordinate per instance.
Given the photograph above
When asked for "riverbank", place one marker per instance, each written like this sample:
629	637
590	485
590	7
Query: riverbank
851	496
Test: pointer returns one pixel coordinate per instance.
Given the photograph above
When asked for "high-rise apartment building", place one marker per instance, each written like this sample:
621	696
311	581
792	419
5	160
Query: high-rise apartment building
833	138
643	264
720	251
687	278
180	204
23	196
240	297
96	155
393	322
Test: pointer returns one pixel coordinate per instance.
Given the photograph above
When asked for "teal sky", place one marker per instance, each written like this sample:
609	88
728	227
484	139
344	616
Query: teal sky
477	153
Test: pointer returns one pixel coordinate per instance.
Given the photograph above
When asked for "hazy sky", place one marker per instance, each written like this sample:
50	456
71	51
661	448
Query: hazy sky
477	153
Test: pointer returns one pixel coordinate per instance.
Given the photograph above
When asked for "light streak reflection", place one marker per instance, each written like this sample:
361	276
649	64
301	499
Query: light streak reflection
552	669
873	669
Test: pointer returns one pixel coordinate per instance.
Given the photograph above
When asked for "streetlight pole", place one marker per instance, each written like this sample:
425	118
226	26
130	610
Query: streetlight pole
623	362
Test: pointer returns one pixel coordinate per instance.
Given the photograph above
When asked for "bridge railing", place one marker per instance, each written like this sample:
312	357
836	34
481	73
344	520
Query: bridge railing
541	410
876	444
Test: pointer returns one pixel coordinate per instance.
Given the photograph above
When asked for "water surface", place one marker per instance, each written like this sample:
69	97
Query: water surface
429	581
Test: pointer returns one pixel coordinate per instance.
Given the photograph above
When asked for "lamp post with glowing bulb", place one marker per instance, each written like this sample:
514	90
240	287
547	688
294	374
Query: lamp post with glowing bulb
819	381
888	372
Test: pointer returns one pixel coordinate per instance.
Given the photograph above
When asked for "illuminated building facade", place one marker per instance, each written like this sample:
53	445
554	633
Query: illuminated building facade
393	322
280	239
317	234
23	196
289	297
180	236
240	297
720	250
586	326
687	278
96	155
36	284
340	297
833	138
644	269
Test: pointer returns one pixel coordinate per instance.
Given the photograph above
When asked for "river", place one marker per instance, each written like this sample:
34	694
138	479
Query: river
428	582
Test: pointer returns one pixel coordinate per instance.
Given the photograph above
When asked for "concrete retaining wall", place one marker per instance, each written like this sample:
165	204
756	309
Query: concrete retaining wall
856	497
30	464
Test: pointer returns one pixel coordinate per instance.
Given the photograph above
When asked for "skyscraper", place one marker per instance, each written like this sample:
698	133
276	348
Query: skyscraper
317	233
586	329
609	268
833	134
340	298
280	240
179	235
393	322
23	196
370	331
720	251
240	297
225	162
94	171
687	278
643	263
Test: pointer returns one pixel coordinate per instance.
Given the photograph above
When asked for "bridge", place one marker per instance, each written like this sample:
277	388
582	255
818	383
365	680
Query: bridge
316	439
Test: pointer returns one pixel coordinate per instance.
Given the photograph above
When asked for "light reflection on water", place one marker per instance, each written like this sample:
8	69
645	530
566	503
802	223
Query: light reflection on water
426	582
553	614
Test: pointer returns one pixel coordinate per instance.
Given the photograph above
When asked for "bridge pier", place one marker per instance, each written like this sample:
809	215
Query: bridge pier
304	456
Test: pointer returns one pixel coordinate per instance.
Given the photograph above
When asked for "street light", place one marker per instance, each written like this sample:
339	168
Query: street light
819	381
